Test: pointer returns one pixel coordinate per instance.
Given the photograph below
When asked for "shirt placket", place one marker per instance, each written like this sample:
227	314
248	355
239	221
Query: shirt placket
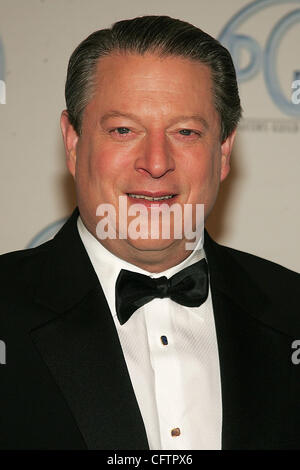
167	373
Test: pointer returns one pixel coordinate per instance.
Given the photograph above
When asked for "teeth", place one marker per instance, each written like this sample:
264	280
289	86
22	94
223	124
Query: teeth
140	196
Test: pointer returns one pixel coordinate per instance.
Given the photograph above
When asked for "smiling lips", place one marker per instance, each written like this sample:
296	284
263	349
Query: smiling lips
145	197
148	198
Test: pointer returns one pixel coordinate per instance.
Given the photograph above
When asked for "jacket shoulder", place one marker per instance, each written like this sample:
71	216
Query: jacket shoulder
21	269
251	278
261	268
278	283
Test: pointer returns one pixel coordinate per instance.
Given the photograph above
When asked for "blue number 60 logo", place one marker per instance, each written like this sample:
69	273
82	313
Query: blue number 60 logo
262	58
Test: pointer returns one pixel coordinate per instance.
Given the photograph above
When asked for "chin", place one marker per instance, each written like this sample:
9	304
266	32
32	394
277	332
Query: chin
151	245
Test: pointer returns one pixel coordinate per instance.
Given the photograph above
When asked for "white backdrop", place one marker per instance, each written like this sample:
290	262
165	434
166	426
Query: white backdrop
258	205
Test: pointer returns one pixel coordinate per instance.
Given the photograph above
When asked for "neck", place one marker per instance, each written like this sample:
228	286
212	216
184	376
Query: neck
154	256
153	261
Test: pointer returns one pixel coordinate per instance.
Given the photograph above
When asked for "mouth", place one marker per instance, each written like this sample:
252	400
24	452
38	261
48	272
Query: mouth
152	199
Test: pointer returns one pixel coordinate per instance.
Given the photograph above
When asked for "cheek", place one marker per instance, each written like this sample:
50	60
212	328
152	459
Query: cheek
98	165
202	168
108	169
203	174
109	157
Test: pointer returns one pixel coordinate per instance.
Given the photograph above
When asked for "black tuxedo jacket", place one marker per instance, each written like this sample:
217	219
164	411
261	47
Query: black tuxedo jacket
65	384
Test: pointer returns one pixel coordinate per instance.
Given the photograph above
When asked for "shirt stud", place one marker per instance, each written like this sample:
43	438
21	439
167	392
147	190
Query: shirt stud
164	340
175	432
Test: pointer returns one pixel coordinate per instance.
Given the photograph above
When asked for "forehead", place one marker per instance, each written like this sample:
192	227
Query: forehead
152	84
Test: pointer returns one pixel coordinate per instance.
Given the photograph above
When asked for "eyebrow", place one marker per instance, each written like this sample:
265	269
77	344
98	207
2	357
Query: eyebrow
112	114
193	117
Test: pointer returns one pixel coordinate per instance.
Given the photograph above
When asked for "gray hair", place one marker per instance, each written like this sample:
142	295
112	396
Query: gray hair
164	36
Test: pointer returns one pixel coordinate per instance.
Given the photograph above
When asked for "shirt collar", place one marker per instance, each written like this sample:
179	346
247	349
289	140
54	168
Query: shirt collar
108	266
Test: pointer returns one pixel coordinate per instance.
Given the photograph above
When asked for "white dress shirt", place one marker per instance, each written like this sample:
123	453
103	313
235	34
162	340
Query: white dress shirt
177	385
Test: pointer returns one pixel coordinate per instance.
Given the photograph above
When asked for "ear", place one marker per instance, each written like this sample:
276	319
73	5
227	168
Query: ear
226	148
70	141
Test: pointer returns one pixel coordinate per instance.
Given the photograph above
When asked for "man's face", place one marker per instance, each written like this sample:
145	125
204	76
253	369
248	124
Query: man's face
150	128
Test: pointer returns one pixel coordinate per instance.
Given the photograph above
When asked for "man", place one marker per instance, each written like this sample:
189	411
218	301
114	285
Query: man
129	342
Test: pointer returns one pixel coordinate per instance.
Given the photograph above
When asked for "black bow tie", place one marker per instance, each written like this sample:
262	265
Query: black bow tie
189	287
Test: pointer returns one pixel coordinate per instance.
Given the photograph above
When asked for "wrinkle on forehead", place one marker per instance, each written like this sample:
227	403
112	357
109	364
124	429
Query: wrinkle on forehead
170	72
151	85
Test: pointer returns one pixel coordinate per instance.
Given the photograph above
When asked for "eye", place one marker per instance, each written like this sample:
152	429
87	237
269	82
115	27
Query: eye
185	131
188	132
120	130
188	135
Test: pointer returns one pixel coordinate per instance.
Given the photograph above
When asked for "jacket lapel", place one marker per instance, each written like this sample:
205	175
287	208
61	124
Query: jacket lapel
78	341
259	383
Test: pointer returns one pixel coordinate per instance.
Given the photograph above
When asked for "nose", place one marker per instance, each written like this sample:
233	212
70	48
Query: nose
155	156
